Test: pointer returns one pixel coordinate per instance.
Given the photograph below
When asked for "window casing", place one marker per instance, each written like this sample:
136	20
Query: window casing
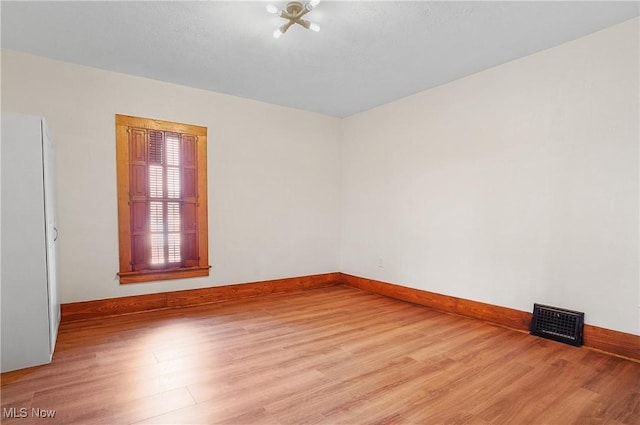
162	199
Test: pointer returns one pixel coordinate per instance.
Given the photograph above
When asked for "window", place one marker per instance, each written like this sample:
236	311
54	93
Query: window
162	199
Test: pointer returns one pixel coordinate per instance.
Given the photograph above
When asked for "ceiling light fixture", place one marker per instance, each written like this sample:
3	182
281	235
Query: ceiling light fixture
293	13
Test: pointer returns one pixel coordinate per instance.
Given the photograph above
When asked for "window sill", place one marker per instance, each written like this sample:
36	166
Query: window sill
154	275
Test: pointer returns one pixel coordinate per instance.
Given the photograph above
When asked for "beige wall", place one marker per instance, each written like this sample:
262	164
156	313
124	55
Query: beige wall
273	175
515	185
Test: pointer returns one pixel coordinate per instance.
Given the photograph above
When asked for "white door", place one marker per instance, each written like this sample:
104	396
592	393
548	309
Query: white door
51	233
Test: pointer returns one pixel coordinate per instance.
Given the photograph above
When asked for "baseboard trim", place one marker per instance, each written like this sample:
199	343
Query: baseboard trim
503	316
190	297
610	341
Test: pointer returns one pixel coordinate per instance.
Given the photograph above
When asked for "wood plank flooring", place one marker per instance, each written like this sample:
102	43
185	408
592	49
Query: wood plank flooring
334	355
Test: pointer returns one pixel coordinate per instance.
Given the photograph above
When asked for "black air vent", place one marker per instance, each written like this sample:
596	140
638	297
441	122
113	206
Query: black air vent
557	324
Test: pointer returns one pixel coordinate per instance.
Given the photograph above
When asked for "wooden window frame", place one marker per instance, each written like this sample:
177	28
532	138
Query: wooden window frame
126	273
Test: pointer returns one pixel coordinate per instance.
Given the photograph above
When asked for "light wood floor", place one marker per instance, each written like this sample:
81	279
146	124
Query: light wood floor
335	355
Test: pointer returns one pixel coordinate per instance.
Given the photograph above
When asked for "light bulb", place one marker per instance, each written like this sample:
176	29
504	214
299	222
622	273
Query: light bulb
277	33
272	9
314	27
314	3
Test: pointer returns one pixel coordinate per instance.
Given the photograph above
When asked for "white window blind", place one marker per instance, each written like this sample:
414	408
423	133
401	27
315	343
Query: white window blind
164	193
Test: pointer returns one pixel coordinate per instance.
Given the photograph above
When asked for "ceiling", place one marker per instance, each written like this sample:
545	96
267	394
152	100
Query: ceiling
366	54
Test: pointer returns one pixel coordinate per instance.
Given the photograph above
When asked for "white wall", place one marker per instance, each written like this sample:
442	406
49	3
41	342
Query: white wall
515	185
273	175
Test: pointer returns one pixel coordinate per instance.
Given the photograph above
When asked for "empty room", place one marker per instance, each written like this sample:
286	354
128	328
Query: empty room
320	212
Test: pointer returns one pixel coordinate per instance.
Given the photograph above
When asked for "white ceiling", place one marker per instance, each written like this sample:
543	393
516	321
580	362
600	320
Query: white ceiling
366	54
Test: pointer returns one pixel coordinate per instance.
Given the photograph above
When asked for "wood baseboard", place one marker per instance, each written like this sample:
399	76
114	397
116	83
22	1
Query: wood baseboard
139	303
615	342
508	317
